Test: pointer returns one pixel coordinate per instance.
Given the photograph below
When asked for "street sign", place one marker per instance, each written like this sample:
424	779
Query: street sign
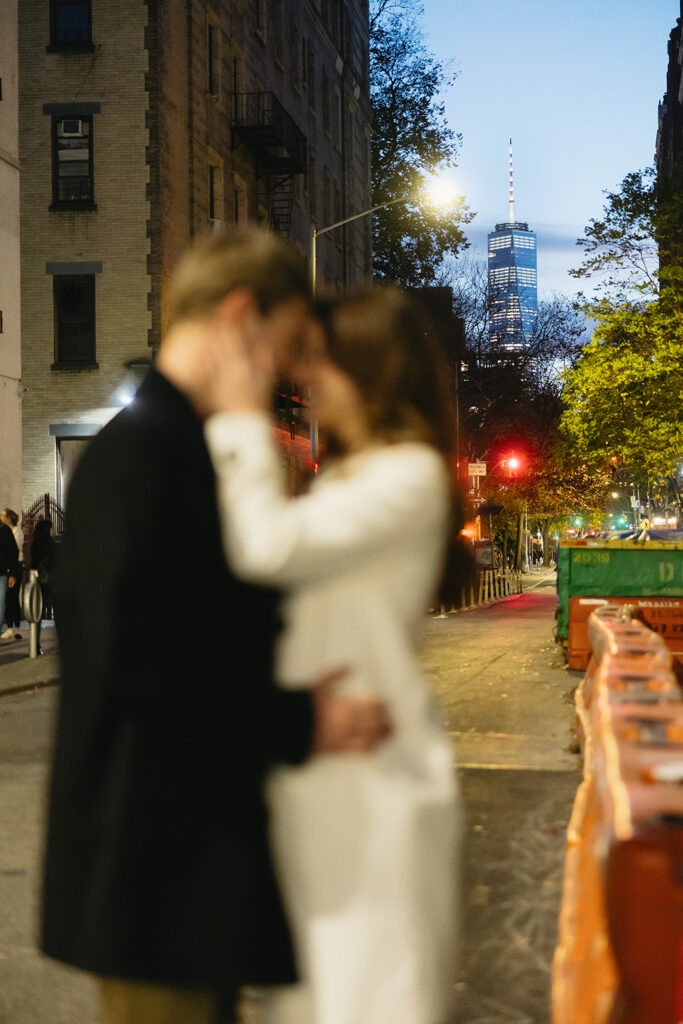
635	502
476	469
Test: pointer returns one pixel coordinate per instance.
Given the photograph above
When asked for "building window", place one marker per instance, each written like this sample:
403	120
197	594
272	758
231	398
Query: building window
311	184
74	314
296	56
260	17
278	31
213	58
310	76
240	200
72	163
337	118
327	105
216	202
70	23
338	214
2	327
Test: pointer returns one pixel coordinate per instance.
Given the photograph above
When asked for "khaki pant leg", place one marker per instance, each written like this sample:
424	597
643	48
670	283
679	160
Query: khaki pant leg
132	1002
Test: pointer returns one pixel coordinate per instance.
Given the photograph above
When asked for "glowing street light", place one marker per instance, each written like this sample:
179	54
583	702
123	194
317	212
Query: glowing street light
439	192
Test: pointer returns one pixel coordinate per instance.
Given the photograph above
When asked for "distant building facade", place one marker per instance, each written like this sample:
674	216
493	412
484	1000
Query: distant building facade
669	146
143	125
512	280
669	161
11	386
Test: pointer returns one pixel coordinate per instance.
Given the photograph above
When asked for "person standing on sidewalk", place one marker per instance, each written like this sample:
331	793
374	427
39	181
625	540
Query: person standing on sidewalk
42	564
9	573
12	610
158	876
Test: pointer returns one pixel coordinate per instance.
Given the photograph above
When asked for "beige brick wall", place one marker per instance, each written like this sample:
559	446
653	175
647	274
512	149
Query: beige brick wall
151	174
115	234
10	338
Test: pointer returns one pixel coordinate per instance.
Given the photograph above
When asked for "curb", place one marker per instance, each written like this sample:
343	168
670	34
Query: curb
474	607
39	684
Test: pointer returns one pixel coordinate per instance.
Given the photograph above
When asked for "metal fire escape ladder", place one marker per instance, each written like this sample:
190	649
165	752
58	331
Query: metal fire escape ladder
279	148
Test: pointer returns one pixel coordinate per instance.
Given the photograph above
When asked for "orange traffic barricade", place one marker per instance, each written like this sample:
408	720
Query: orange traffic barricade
625	836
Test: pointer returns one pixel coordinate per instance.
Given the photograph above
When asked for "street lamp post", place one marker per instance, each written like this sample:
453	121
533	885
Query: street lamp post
317	232
513	465
339	224
314	277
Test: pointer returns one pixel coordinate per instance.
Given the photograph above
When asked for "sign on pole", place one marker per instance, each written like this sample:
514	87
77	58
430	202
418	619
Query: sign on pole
476	469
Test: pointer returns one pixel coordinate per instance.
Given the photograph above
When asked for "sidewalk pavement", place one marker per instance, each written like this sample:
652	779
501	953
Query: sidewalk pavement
19	672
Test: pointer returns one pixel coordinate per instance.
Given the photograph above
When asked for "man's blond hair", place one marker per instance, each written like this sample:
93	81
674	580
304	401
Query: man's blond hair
242	258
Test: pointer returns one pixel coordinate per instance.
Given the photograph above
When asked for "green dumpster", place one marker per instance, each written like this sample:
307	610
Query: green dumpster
616	568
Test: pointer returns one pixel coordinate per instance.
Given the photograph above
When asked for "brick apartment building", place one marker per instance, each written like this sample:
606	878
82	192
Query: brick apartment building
10	327
669	145
144	124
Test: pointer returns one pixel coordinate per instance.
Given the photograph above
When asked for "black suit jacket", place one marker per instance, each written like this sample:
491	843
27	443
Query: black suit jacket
9	553
157	864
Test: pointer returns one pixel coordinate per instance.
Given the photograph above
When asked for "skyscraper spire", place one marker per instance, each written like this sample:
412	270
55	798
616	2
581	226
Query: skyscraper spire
512	190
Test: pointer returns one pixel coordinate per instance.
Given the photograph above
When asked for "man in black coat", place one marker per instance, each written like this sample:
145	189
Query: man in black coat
9	567
157	875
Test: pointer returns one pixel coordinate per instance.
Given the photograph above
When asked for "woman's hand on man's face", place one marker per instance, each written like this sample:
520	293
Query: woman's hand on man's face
240	363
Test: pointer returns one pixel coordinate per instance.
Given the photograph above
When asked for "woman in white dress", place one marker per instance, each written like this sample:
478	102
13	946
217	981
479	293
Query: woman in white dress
366	846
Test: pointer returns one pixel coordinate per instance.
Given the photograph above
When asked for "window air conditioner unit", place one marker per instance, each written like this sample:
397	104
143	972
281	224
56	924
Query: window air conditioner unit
72	129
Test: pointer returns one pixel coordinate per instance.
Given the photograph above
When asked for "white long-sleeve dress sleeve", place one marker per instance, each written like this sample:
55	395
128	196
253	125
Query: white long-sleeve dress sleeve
272	539
366	846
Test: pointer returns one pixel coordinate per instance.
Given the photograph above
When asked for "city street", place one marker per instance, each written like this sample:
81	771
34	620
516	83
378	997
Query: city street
506	696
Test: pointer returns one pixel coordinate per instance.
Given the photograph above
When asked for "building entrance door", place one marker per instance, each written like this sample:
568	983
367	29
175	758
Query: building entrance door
69	451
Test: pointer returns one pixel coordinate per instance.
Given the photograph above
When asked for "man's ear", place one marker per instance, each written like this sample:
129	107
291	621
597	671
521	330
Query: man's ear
236	305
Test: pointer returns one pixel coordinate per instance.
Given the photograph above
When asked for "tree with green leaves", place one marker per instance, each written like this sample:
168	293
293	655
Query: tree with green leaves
411	142
560	489
620	250
624	396
635	251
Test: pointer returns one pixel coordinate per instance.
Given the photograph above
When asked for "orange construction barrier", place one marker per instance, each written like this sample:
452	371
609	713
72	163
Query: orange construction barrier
663	615
625	835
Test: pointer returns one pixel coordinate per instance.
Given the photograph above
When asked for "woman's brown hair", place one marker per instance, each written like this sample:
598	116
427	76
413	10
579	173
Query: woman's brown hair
382	340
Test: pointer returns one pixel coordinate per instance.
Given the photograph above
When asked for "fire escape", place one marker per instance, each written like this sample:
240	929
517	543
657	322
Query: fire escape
279	148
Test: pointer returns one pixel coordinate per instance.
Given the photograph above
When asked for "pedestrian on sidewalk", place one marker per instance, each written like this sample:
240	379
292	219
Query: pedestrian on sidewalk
42	565
158	877
366	850
12	610
9	574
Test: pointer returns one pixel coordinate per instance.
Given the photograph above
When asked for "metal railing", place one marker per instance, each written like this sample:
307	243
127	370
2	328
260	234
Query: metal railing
261	121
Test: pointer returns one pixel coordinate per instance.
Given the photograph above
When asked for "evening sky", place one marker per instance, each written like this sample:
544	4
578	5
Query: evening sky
575	84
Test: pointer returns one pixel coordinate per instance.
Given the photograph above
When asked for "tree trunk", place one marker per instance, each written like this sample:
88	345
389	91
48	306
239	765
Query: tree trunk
520	535
545	533
505	546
